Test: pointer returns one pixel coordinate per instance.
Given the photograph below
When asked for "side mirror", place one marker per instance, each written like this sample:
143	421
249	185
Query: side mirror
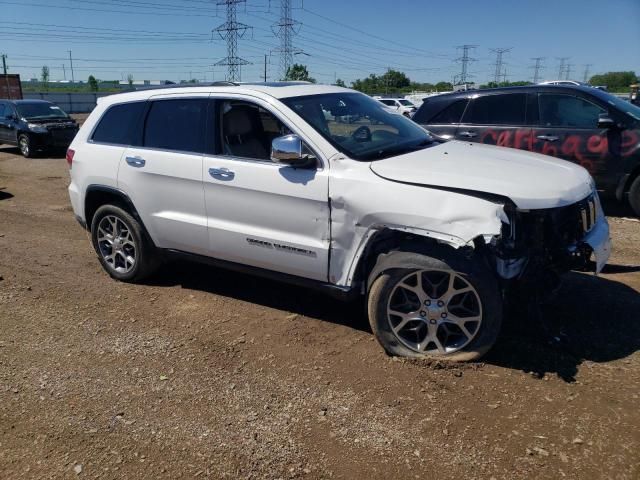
288	150
605	121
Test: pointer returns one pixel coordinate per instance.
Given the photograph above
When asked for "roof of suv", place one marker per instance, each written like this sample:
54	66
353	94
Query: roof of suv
273	89
524	88
22	102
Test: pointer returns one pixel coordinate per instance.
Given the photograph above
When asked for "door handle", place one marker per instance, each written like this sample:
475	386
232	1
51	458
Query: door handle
137	162
221	173
548	138
468	134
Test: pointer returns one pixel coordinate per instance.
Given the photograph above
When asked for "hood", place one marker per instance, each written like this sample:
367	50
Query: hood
530	180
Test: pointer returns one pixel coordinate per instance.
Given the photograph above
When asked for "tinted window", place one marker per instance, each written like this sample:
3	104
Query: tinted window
119	124
451	114
176	125
567	111
506	109
391	103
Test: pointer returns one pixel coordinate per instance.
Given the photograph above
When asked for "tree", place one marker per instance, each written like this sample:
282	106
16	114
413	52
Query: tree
130	79
444	86
298	72
614	81
44	76
93	83
340	83
394	80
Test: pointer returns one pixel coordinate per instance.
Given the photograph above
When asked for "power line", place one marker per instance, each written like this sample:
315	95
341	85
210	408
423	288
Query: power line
230	31
285	29
465	60
499	63
537	68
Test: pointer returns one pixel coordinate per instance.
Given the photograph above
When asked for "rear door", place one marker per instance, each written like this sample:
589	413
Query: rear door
162	172
496	119
567	127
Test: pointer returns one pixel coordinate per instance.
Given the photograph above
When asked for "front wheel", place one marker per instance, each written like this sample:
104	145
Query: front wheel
24	144
441	306
634	196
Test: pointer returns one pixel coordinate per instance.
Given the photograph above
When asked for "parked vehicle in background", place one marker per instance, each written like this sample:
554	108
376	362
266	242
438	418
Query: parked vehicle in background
35	125
258	177
634	94
564	82
581	124
401	105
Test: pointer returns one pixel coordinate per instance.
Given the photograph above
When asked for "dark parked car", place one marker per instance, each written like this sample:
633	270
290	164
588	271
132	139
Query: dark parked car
35	125
581	124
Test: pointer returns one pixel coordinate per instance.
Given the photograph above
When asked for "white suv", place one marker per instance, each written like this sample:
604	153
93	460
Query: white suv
256	176
400	105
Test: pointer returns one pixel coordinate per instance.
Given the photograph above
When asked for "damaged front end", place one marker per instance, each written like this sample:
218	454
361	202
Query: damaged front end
536	246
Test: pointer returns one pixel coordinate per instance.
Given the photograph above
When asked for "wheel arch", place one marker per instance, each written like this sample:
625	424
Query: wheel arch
628	180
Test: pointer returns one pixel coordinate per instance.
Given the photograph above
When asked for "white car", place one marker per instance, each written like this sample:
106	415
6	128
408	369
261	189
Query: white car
400	105
436	236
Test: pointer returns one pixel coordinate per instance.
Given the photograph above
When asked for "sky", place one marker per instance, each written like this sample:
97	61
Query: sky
175	40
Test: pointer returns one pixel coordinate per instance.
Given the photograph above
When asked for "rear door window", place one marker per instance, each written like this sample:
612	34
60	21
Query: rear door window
176	124
567	111
508	109
119	125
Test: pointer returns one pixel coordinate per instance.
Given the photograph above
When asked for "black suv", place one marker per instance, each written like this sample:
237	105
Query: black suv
35	125
584	125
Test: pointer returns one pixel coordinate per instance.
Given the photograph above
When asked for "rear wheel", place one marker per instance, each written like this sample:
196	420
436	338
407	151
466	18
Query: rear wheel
634	196
122	247
24	144
445	306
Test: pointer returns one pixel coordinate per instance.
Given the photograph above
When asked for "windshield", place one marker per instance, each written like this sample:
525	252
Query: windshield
621	104
34	111
360	126
406	103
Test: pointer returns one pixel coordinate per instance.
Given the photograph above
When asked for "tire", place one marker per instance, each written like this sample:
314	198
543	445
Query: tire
438	313
129	243
24	145
634	196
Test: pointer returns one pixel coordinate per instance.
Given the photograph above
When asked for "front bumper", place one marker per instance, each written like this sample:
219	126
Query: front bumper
54	138
599	241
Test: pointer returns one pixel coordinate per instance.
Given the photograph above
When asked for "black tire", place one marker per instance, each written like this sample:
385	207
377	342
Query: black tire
24	145
146	256
634	196
392	268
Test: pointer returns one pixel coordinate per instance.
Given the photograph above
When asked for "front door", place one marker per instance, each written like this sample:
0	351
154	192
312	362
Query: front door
163	174
497	119
261	213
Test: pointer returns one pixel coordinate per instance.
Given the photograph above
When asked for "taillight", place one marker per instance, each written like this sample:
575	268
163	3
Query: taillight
70	154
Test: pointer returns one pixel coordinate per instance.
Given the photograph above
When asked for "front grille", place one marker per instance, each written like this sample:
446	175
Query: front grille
587	213
62	136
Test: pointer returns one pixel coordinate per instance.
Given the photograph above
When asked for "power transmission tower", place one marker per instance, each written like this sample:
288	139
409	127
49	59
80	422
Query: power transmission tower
285	30
465	60
504	74
536	68
563	61
568	71
499	63
587	67
230	31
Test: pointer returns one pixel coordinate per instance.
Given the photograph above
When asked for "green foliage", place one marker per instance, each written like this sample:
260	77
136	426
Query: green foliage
519	83
615	81
130	79
93	83
340	83
298	72
44	77
392	81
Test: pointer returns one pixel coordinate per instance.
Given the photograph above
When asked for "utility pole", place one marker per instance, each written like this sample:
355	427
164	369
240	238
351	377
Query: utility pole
563	61
499	63
465	60
230	31
265	68
568	71
587	67
4	69
536	68
285	30
64	72
73	80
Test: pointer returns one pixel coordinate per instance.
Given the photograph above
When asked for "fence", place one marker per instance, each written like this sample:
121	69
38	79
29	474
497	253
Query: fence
69	102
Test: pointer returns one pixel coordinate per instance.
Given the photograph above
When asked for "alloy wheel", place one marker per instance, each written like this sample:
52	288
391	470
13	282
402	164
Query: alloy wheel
434	312
116	244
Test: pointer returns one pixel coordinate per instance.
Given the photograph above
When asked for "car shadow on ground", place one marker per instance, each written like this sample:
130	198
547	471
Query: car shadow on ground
266	292
4	195
592	319
596	318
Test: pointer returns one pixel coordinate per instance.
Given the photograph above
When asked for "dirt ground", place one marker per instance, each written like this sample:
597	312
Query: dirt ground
210	374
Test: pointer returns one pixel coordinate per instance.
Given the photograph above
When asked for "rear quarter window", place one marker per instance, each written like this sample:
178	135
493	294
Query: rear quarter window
120	124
